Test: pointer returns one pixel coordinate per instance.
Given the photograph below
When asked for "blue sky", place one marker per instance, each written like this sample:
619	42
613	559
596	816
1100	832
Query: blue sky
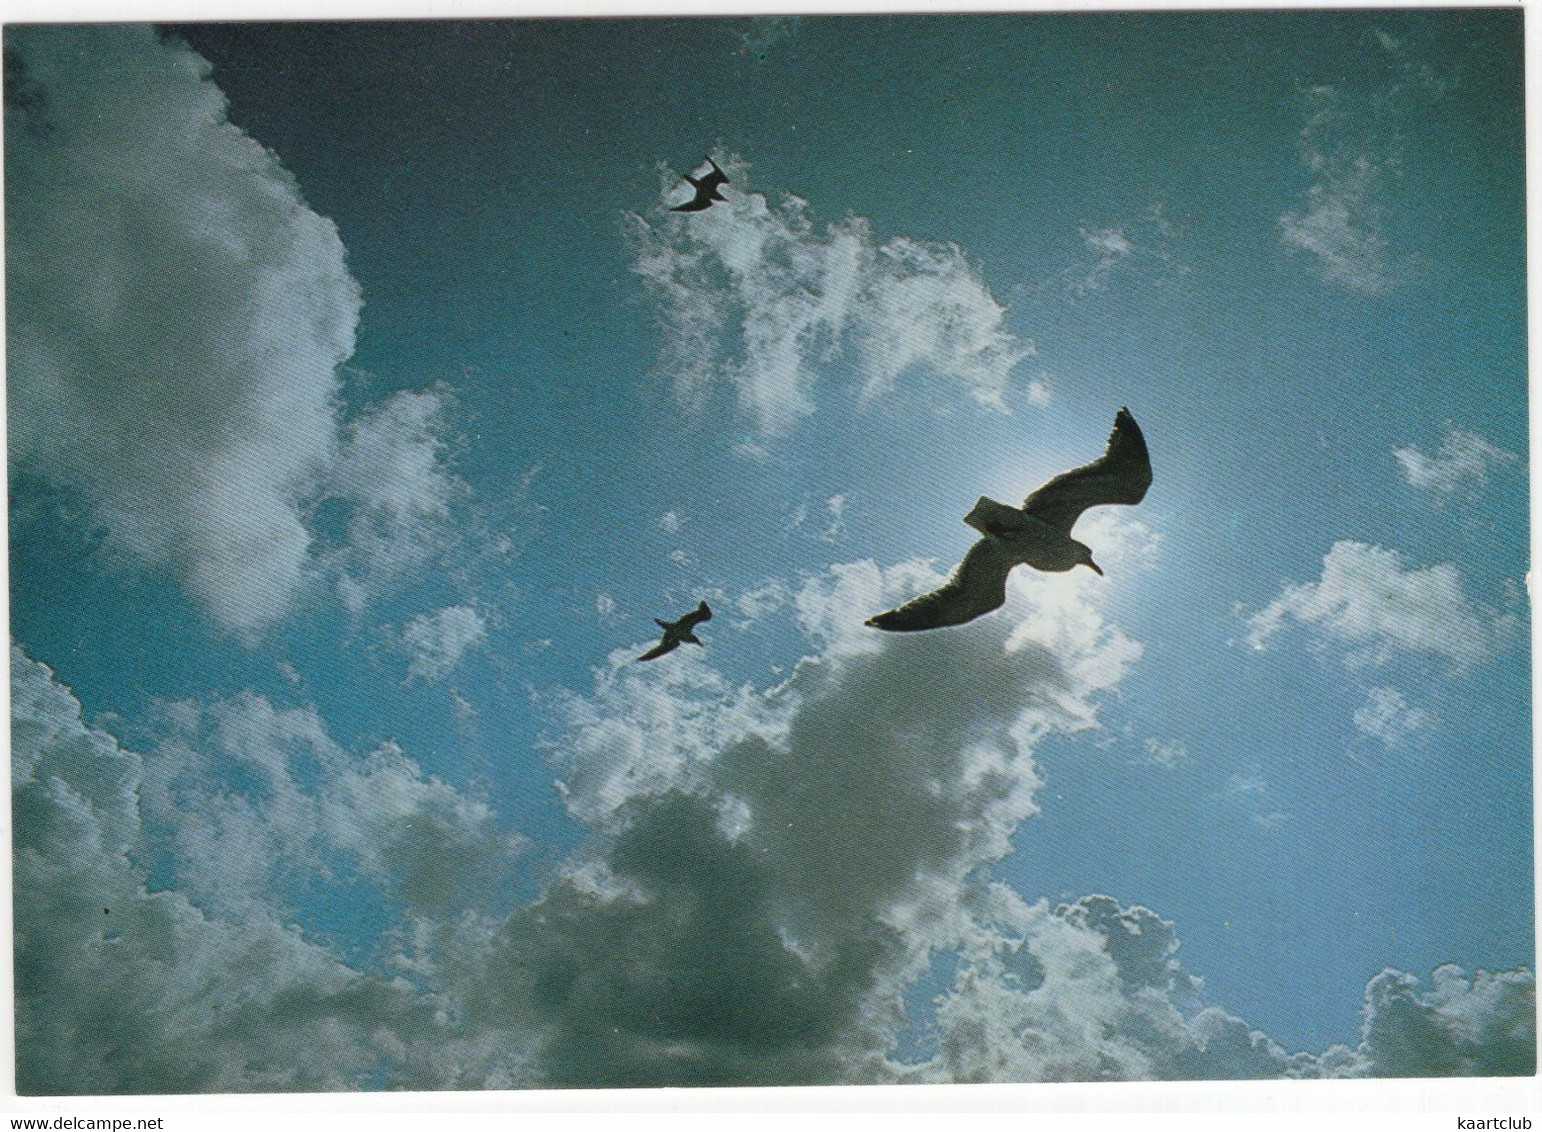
367	404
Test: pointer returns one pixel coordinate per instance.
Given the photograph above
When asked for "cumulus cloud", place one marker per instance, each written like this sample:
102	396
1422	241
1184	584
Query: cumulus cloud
764	298
1095	991
1091	991
177	315
1341	225
438	640
773	868
768	873
207	985
1387	716
1372	606
390	470
1461	464
1479	1025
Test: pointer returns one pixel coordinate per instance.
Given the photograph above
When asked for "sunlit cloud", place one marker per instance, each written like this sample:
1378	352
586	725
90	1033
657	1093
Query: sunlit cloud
177	317
1372	607
762	297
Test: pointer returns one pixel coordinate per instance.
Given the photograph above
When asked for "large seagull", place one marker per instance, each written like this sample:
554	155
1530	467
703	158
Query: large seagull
1038	534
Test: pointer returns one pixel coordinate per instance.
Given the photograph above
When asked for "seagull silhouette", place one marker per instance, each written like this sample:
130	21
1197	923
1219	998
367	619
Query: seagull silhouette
1038	534
706	186
678	632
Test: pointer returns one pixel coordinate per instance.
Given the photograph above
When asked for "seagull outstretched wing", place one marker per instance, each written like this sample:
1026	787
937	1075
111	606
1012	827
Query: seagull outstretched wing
659	650
1121	475
714	180
695	617
978	586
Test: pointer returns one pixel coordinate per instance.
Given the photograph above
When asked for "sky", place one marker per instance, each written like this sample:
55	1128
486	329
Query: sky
367	404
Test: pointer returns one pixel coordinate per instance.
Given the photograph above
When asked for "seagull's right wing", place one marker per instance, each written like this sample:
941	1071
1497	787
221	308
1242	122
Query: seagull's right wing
659	650
696	204
695	617
978	586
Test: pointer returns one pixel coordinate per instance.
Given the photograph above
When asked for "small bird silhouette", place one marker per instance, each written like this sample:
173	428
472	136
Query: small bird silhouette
1038	534
678	632
706	186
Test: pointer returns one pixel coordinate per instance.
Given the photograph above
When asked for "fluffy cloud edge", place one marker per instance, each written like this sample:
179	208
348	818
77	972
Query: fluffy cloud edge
202	449
760	296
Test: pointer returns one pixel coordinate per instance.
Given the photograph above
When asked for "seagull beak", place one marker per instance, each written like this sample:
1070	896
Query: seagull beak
1098	569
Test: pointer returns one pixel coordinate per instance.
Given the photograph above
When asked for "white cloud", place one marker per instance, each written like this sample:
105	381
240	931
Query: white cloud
1464	1026
1119	247
218	988
1387	716
1341	225
176	317
760	601
1461	465
390	467
1111	246
762	297
1371	606
1094	991
1166	753
835	508
1350	146
773	867
438	640
769	872
1124	546
1089	992
671	522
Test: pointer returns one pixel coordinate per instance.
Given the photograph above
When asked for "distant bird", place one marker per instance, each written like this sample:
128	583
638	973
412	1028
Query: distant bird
1037	535
678	632
706	186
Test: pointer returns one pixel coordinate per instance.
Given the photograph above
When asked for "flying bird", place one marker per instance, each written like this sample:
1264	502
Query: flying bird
678	632
706	186
1038	534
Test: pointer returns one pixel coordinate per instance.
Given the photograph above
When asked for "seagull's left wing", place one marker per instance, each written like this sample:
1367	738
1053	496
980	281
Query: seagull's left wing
1121	475
978	586
695	617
